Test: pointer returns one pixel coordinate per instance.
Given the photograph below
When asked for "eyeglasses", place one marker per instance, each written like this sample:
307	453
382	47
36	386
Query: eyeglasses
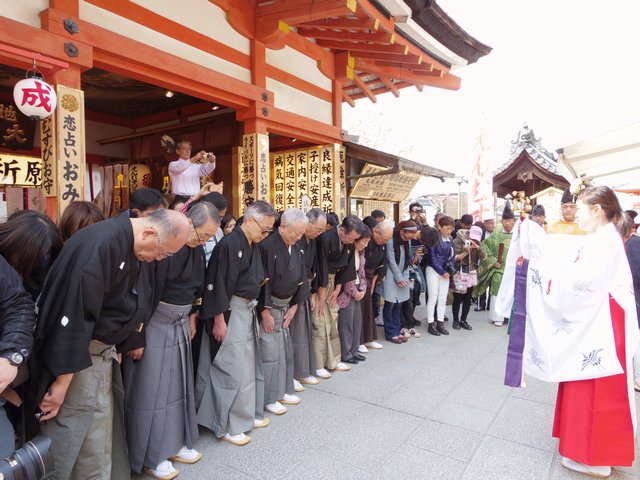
201	237
263	230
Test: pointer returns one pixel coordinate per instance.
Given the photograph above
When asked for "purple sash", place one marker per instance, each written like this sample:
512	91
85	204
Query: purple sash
513	374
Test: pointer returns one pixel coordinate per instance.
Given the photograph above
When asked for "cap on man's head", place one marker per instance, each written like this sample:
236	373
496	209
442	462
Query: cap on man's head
538	210
507	214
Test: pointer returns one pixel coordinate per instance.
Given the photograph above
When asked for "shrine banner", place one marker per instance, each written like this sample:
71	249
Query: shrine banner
326	175
254	183
302	176
340	181
481	202
290	180
70	140
49	156
20	171
277	166
314	182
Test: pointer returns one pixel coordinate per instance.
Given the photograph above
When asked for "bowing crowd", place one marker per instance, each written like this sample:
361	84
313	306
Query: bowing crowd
158	321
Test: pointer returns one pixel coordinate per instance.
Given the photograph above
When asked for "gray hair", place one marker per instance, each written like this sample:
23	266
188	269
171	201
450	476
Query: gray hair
166	221
314	215
202	212
292	216
259	210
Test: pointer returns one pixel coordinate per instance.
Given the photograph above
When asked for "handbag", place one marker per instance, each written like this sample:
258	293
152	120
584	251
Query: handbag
460	282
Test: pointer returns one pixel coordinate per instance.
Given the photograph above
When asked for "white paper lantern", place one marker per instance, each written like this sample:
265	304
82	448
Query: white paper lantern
35	98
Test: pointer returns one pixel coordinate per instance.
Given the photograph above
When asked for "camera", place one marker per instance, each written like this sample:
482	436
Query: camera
34	461
450	269
467	244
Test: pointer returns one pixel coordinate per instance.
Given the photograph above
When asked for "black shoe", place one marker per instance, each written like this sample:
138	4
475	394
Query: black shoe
417	322
479	309
456	325
361	358
352	360
465	325
446	319
433	330
441	329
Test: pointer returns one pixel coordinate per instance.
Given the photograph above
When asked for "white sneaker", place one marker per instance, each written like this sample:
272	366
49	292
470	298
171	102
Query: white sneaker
290	399
497	323
405	333
187	455
311	380
342	367
260	423
414	333
363	349
297	386
594	471
323	373
379	321
374	346
276	408
163	471
240	439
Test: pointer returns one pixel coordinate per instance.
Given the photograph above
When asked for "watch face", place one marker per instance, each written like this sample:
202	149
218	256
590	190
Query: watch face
16	359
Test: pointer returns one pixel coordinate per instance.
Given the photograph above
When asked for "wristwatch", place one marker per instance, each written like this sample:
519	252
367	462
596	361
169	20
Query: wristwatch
16	359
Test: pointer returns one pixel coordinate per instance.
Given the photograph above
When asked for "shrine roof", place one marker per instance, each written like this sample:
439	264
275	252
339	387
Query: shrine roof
532	146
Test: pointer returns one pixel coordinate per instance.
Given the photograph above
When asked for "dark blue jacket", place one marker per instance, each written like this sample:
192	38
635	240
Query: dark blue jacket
633	254
440	255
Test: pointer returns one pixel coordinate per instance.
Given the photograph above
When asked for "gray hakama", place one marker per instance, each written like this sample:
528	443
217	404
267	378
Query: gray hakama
349	327
159	394
88	432
300	330
230	390
272	350
326	341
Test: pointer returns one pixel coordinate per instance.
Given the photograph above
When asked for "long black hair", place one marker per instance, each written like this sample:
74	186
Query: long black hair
29	241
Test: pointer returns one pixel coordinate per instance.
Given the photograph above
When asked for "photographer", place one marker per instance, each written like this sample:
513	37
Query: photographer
440	267
468	253
185	172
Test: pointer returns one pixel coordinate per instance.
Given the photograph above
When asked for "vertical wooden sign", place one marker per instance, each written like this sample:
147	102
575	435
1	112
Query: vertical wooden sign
302	168
290	180
277	162
340	181
49	156
326	175
314	158
70	134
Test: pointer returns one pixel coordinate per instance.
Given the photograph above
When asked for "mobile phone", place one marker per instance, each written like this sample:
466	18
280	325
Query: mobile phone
467	244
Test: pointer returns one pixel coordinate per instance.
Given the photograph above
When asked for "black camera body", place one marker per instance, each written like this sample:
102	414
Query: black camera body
450	269
34	461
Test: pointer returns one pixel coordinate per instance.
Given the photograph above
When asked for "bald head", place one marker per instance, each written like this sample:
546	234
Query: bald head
382	232
160	234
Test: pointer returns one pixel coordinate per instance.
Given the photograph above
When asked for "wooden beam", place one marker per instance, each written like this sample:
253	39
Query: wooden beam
346	36
419	87
365	24
293	12
392	57
389	84
310	49
239	15
367	9
25	37
363	47
348	99
364	89
448	81
426	68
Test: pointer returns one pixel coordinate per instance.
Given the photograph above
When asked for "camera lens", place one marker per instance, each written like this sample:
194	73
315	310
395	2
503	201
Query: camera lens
31	462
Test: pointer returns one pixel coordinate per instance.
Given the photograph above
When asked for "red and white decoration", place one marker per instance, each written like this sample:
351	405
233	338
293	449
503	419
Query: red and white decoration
35	98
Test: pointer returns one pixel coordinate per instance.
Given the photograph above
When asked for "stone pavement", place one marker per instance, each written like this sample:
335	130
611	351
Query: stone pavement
432	408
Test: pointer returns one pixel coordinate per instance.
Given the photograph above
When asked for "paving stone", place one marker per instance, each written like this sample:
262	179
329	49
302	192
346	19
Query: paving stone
413	463
525	422
537	391
480	391
453	442
497	459
465	416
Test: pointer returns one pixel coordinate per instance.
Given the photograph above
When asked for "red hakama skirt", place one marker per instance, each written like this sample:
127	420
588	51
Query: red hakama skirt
593	417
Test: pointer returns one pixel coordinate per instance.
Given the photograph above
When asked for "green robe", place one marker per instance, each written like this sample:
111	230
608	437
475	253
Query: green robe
488	274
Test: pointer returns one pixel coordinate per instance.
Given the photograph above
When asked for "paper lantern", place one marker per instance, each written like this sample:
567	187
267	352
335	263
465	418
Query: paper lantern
139	177
35	98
